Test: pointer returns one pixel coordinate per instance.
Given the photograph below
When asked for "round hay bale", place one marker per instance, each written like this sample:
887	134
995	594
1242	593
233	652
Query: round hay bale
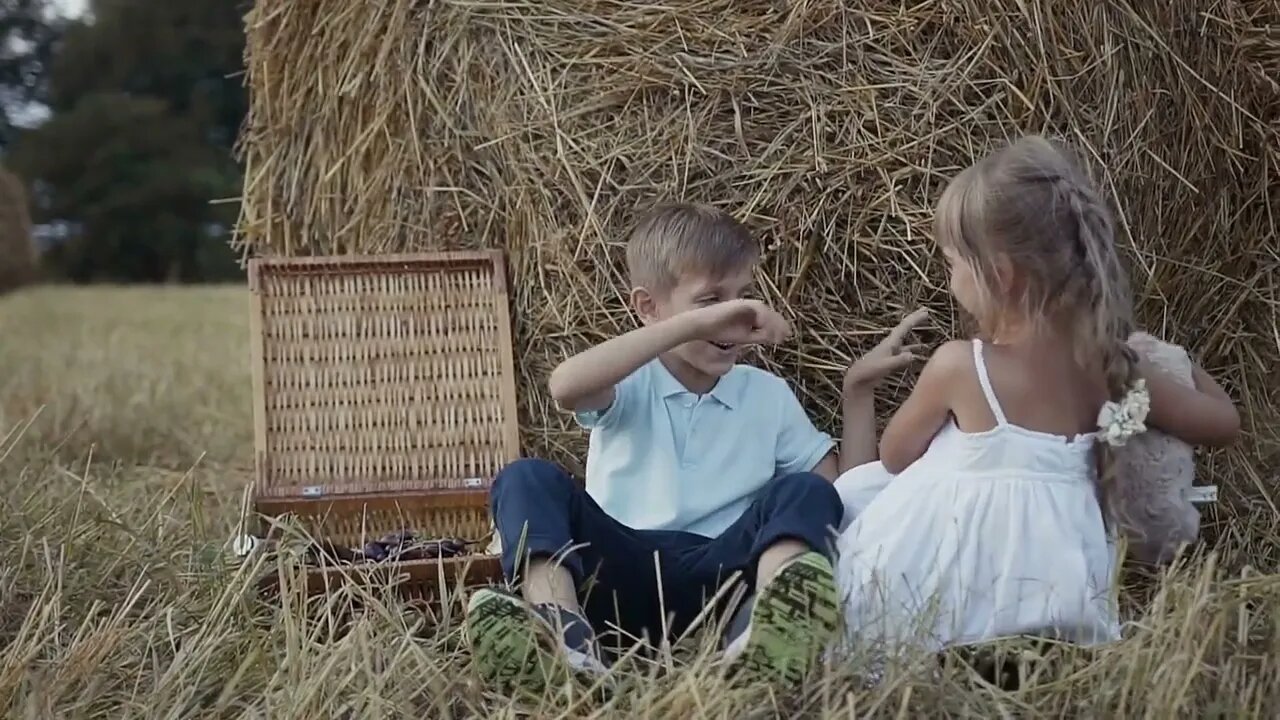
17	248
830	128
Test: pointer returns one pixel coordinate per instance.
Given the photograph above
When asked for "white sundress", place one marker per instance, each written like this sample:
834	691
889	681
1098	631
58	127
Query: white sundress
987	535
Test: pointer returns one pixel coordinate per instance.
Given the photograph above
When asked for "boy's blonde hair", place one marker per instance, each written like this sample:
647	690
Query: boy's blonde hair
1032	204
678	238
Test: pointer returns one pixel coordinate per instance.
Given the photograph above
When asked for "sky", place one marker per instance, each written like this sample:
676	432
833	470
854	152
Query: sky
70	8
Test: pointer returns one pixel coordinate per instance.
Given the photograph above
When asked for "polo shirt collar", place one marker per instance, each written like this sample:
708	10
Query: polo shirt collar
726	391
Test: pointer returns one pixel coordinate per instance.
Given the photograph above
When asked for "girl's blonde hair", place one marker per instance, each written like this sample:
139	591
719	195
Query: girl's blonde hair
1030	203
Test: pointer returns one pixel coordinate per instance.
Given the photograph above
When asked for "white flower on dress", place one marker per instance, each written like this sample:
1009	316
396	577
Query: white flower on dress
1119	421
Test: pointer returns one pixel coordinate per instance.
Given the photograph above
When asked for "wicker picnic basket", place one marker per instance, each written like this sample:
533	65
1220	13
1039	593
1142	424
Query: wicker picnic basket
384	400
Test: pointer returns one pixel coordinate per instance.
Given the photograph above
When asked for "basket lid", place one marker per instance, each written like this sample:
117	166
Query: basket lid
376	374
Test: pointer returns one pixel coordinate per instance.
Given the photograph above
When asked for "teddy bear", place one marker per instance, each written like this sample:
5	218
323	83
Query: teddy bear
1155	501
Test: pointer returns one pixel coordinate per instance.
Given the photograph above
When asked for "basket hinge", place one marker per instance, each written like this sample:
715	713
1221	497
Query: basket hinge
312	491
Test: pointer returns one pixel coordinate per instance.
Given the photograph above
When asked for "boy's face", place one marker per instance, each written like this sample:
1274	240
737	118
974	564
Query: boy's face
693	290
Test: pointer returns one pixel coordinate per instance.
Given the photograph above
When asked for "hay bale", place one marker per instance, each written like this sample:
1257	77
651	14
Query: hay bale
17	248
830	128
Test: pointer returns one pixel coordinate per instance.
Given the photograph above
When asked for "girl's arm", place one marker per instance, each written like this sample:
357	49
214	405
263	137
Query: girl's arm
1202	415
926	409
858	441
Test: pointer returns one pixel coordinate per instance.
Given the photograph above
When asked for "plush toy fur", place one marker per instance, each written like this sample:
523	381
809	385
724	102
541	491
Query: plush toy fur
1155	473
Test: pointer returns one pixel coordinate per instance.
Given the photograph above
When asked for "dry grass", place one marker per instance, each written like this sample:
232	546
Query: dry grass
117	499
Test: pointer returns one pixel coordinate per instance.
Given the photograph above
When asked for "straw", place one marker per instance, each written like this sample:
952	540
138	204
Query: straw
543	127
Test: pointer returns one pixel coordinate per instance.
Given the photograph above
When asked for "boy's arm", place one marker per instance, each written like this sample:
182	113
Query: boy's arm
828	468
802	447
586	381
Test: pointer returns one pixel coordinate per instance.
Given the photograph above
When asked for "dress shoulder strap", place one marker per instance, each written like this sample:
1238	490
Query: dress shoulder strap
985	380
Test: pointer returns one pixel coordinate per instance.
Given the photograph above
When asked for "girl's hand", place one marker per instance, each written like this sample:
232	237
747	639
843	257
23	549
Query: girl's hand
888	357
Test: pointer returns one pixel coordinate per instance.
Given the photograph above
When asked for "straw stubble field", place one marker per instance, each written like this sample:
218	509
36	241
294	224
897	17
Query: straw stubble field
128	438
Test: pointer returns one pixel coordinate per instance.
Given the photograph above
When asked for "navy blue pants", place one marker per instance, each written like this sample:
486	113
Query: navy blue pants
618	570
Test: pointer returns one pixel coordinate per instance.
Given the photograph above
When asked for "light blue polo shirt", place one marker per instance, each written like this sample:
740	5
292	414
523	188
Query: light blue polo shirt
663	458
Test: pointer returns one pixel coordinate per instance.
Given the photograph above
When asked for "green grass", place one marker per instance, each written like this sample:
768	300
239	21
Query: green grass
127	415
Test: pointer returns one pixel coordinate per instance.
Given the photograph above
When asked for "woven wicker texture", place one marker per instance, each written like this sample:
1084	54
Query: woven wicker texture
468	523
353	522
382	375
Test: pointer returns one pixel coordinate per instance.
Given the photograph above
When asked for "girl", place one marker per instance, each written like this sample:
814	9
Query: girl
987	513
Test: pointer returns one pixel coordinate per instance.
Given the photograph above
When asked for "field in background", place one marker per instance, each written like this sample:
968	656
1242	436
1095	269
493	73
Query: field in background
128	445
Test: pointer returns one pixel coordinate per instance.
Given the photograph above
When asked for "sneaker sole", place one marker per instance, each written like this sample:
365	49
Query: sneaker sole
507	643
794	617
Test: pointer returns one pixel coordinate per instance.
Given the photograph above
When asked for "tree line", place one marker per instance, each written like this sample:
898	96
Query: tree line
131	175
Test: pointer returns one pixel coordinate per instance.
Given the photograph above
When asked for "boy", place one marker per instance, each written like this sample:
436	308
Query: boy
697	468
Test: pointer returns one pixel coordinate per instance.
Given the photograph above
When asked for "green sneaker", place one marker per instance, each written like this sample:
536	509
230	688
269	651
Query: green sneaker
792	620
515	644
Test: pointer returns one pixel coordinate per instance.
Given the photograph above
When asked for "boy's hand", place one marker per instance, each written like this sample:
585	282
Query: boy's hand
741	322
886	358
